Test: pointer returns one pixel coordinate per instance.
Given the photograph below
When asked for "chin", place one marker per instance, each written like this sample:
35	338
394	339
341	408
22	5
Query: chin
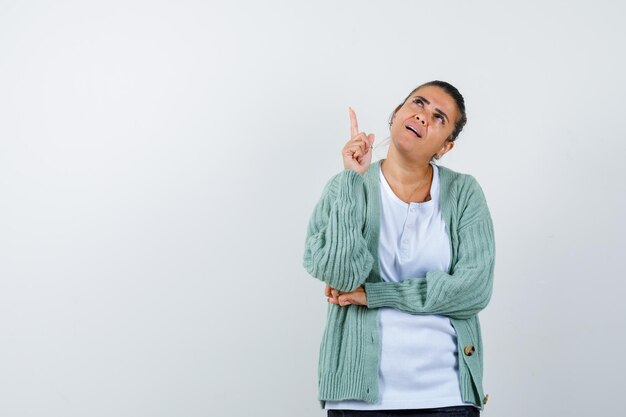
404	144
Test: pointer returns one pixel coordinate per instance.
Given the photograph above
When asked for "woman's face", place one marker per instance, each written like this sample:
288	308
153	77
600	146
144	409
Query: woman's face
421	126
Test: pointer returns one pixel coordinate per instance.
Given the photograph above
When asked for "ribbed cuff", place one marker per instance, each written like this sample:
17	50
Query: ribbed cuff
352	177
380	294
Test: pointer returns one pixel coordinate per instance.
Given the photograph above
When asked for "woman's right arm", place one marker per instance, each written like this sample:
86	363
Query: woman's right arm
335	250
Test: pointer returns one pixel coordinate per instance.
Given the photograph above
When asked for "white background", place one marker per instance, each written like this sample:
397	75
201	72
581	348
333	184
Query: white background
159	162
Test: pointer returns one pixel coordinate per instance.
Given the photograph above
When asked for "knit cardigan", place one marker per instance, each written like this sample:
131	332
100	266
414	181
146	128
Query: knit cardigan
341	249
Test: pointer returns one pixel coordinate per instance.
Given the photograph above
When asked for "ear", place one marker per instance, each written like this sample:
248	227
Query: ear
447	147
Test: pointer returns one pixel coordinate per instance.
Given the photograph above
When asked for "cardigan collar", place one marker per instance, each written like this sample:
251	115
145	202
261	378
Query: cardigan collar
372	221
446	177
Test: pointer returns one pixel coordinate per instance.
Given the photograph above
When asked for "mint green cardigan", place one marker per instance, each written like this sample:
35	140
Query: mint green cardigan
341	249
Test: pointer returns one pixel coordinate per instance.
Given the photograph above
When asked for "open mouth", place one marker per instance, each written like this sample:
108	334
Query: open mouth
414	131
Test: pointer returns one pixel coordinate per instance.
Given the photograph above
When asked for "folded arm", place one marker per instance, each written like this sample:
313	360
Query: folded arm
459	294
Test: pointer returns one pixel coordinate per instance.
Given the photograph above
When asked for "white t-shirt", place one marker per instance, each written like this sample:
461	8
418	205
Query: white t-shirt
419	359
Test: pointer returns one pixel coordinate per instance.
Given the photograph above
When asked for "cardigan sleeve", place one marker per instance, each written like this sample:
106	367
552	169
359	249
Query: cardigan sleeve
335	250
459	294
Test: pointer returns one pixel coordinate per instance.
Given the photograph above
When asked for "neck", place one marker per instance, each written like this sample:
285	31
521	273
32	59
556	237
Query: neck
405	171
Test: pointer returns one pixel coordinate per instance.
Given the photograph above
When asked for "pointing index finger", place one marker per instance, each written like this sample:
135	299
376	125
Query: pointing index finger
354	127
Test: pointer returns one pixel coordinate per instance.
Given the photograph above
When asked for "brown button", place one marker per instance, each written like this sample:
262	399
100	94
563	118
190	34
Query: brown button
469	350
485	399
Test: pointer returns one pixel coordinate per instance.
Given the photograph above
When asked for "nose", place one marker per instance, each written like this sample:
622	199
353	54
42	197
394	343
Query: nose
421	118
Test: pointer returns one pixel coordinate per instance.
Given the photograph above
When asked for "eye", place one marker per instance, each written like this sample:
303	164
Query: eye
441	119
418	101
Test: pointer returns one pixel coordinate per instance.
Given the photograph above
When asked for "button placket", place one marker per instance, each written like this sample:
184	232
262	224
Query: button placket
407	231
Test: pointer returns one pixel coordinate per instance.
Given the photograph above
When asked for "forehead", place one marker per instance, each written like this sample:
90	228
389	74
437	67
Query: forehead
438	98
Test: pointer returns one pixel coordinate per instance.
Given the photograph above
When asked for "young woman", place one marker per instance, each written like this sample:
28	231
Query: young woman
406	249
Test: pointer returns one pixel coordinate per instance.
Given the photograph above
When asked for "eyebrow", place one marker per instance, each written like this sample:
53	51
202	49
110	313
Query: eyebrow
436	109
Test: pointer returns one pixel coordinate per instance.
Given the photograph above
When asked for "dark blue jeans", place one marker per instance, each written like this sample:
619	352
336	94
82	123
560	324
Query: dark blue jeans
456	411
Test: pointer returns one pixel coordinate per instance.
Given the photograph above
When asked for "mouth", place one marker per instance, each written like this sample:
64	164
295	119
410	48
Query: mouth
414	131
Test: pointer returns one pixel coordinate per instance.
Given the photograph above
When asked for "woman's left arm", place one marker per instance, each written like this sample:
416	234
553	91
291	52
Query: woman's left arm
464	292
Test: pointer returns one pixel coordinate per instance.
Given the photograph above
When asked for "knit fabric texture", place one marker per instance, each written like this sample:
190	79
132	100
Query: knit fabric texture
341	249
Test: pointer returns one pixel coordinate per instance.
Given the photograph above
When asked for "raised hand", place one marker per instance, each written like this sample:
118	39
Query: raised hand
357	152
